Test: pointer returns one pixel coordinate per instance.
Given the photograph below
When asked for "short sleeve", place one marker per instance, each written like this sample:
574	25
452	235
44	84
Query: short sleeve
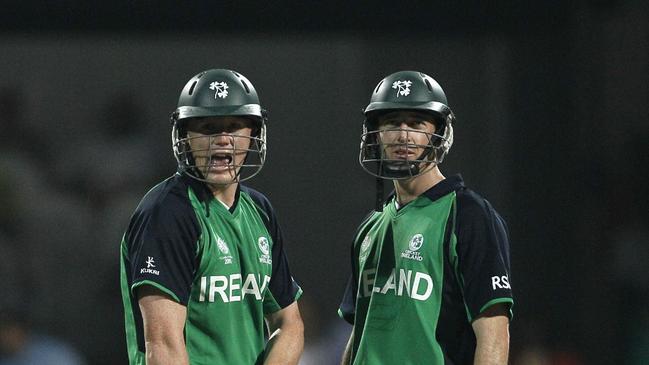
483	254
347	309
162	241
282	285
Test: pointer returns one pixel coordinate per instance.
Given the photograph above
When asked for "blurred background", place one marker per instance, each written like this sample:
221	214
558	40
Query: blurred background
552	102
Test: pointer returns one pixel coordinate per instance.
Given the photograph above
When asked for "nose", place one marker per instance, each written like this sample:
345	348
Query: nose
222	139
403	132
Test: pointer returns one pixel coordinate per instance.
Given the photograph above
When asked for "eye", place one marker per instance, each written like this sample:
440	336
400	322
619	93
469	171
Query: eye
418	124
233	127
209	128
388	123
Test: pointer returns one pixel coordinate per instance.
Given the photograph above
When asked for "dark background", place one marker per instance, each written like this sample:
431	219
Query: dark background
552	101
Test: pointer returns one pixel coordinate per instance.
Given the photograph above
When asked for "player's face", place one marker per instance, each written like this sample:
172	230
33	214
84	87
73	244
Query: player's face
404	135
219	146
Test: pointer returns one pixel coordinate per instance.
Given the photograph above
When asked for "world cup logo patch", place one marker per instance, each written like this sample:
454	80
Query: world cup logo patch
366	243
223	247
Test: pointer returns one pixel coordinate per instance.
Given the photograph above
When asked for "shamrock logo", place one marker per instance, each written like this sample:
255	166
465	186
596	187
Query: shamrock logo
416	242
221	89
402	87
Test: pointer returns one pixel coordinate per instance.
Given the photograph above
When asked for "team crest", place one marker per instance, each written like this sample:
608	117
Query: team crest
264	247
220	89
412	253
416	242
402	87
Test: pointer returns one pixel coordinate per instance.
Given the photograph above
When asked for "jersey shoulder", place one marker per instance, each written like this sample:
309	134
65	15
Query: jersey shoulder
476	216
470	203
167	203
260	200
170	194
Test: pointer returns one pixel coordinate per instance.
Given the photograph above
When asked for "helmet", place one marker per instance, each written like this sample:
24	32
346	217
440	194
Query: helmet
219	92
409	91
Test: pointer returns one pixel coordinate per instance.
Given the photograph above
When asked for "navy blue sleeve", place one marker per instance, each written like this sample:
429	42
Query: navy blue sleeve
347	308
162	240
483	254
282	285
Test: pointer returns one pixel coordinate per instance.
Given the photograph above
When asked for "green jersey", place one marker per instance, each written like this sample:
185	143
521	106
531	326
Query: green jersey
227	266
422	273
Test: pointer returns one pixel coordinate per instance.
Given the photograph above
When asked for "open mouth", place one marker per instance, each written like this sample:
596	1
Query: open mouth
221	160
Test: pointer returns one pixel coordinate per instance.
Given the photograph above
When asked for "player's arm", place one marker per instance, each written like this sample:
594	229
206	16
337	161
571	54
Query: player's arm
164	322
287	336
491	330
347	354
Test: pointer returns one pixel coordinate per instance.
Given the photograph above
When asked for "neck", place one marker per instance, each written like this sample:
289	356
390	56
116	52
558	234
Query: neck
408	190
224	193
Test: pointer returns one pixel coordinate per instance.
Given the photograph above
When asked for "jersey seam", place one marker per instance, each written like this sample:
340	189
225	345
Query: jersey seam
498	300
157	286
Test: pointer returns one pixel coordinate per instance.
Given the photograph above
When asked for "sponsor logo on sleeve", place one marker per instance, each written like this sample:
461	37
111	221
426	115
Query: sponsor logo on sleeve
500	282
150	267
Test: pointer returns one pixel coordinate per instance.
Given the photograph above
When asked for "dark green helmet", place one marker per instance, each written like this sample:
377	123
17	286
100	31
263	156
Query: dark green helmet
219	92
413	91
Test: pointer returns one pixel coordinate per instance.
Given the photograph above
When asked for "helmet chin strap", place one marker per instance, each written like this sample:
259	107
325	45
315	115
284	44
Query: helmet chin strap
404	170
379	194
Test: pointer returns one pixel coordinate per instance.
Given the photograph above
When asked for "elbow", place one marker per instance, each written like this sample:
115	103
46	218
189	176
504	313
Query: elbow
163	350
293	328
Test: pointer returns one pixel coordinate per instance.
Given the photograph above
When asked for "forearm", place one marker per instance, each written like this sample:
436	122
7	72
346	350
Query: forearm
285	345
491	330
163	320
166	354
492	350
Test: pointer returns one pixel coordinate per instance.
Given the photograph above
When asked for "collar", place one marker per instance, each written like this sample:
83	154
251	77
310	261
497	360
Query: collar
203	192
445	187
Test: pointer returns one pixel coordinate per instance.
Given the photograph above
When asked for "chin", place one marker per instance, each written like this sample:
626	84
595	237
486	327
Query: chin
221	179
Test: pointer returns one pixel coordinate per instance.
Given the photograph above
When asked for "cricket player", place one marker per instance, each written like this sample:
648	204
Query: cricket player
430	279
203	267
